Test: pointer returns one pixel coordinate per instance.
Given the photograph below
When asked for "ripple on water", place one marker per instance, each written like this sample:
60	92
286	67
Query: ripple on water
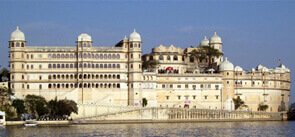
212	129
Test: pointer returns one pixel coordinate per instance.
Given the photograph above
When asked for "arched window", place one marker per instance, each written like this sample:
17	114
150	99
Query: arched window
71	76
105	85
105	66
105	76
101	56
89	76
85	65
58	86
114	85
101	85
101	65
105	56
67	76
118	76
175	57
49	85
118	85
71	65
161	57
58	65
71	56
114	76
101	76
109	65
118	56
49	65
96	85
80	65
53	56
49	76
57	56
62	56
168	58
62	65
97	65
80	85
118	65
114	66
85	76
89	55
89	65
67	85
96	76
84	55
63	76
93	66
110	76
96	56
113	56
109	56
85	85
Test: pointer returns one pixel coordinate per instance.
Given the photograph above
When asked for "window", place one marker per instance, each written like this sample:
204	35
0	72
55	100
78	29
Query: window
49	65
168	58
131	56
216	87
40	86
216	96
194	97
178	86
28	86
161	57
163	85
40	77
202	86
167	97
186	85
32	67
175	58
205	97
194	87
40	66
171	86
179	97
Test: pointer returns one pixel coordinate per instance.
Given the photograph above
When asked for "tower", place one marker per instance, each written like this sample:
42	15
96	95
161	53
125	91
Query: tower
226	68
17	64
216	43
134	69
84	45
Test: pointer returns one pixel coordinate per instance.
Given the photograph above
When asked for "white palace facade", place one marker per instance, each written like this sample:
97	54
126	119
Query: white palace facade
115	76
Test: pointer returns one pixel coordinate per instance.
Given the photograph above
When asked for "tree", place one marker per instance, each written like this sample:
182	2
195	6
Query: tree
150	64
204	52
66	107
6	103
239	103
19	105
53	107
144	102
262	107
4	74
36	105
291	112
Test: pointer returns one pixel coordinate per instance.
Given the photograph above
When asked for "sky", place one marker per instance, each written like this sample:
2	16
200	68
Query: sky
253	32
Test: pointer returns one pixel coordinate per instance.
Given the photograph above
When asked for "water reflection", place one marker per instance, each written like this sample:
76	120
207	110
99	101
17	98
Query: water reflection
211	129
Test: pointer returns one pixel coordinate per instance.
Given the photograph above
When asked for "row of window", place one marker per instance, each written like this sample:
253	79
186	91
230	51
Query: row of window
85	55
80	85
85	76
193	97
194	87
85	65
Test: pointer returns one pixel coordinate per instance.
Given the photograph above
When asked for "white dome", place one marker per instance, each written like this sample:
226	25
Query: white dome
215	38
17	35
84	37
238	68
226	66
204	42
134	36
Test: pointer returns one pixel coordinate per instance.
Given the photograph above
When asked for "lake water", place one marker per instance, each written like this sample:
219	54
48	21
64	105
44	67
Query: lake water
209	129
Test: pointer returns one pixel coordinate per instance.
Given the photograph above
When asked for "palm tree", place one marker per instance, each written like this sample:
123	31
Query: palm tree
204	52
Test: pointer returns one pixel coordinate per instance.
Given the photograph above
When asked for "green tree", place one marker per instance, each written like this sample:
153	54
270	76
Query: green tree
36	105
4	74
6	104
144	102
150	64
66	107
239	103
262	107
204	52
53	107
19	105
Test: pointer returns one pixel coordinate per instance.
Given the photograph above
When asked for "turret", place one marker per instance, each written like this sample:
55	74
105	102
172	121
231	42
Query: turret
17	39
134	69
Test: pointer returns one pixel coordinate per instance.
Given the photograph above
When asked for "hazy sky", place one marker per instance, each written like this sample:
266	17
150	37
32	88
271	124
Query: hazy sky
253	32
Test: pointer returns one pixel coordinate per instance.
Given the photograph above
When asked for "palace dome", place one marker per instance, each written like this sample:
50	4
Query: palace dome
226	66
238	68
204	42
134	36
84	37
215	38
17	35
